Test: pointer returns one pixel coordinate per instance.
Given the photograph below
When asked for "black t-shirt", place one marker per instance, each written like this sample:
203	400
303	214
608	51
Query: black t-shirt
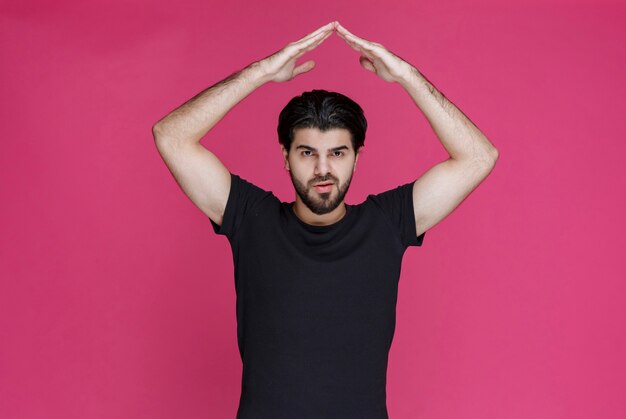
316	305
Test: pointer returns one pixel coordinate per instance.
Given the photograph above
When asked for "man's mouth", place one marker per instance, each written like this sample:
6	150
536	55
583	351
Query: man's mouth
323	187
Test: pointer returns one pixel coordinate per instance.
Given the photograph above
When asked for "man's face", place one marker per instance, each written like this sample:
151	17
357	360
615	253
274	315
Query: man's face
318	157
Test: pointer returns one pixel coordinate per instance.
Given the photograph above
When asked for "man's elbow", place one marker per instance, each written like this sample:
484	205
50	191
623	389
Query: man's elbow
488	159
494	154
160	135
156	133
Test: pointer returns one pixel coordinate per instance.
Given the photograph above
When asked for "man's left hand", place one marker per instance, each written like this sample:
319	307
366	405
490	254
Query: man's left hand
376	58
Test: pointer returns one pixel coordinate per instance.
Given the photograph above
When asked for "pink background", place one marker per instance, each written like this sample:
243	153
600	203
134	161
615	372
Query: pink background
117	299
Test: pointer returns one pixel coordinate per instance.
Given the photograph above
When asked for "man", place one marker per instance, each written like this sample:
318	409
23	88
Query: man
317	279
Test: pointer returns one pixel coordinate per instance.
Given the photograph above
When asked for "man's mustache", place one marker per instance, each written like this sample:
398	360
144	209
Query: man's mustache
326	179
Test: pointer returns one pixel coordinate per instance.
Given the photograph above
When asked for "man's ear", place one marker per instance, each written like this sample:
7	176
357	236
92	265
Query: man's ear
356	159
285	156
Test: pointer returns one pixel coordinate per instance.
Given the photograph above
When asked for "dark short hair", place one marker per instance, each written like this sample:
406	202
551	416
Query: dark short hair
323	110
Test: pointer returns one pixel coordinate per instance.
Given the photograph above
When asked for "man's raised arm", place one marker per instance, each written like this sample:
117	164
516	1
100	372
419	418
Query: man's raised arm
199	173
472	156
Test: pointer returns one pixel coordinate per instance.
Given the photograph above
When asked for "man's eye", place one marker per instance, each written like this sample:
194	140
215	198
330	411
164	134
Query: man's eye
340	153
306	151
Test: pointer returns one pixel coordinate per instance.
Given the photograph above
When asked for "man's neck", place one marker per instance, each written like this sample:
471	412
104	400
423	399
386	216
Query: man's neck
309	217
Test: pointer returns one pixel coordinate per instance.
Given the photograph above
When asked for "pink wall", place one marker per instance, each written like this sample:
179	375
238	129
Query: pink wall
117	299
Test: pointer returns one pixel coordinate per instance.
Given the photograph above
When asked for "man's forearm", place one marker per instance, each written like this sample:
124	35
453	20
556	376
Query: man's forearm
192	120
459	136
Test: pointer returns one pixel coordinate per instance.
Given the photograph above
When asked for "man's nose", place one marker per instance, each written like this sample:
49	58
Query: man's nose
321	166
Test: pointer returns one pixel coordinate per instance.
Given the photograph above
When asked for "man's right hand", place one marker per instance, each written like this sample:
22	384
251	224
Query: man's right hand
281	66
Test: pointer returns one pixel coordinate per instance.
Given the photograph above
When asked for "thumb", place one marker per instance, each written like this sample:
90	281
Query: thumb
367	64
303	68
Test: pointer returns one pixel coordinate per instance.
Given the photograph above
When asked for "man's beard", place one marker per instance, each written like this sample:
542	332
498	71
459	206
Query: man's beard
322	203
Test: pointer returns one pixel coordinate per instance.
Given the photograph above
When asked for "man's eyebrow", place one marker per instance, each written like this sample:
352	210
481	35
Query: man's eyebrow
343	147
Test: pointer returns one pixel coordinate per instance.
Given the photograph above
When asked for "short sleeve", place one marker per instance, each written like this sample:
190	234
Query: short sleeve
397	206
243	200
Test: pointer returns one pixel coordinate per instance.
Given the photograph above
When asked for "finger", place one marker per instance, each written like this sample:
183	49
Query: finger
316	32
303	68
368	53
364	45
352	37
367	64
301	46
327	27
349	42
314	45
320	40
346	32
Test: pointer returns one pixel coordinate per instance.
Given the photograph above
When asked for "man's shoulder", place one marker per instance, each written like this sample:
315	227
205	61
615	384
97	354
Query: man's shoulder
243	186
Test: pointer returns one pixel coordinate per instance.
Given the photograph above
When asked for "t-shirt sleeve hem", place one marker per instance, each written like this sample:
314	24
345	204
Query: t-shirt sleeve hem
414	240
227	220
410	237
